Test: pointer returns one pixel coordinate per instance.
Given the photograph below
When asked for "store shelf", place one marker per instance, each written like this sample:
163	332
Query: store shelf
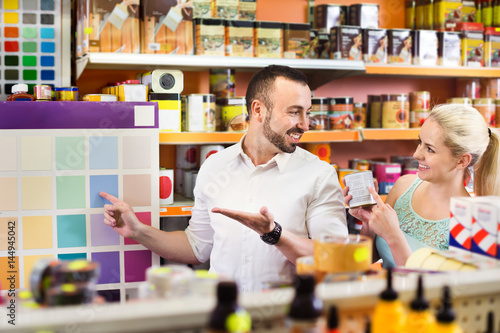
181	207
175	138
320	71
390	134
435	71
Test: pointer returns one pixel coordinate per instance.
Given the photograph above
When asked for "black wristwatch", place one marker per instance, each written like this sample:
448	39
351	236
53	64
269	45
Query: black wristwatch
272	237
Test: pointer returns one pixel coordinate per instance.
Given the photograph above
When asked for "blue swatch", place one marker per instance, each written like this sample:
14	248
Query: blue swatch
48	75
105	183
71	231
47	61
47	5
47	33
71	256
48	47
103	152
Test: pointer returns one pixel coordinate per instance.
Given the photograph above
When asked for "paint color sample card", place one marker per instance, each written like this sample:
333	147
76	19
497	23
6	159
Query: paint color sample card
30	50
56	158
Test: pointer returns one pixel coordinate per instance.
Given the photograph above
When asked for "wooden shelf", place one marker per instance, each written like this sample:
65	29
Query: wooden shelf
436	71
174	138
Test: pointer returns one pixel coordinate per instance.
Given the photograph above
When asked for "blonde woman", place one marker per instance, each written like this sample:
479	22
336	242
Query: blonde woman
416	211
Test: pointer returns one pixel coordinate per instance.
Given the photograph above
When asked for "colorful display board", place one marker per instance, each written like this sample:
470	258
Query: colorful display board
30	43
56	158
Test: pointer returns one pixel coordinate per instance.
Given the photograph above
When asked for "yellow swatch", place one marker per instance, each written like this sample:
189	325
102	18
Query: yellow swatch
37	232
10	4
36	193
7	266
29	262
36	153
10	18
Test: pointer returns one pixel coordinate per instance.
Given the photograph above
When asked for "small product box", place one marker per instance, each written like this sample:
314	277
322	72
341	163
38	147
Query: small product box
425	47
166	28
225	9
449	48
375	46
364	15
268	39
169	111
132	91
166	186
469	11
202	8
296	40
247	10
325	51
114	26
239	38
447	14
492	47
330	15
485	222
461	223
346	43
472	44
209	37
399	48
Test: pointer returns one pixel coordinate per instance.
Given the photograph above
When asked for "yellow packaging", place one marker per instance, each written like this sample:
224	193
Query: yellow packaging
419	15
459	100
468	11
209	37
234	114
447	14
322	150
169	111
202	8
418	117
239	38
296	40
99	98
268	39
472	44
429	14
492	47
375	111
200	113
342	173
359	115
410	14
395	111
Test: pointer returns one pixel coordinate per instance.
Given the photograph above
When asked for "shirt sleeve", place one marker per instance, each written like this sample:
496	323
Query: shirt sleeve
326	212
199	231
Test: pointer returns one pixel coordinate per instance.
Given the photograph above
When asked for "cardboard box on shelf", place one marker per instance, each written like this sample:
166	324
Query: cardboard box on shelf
113	26
167	27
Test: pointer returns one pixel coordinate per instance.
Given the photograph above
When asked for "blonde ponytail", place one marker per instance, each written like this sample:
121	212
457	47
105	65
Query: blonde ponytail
487	174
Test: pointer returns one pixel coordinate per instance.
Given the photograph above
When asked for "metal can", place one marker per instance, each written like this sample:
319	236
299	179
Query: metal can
233	112
374	111
186	156
322	150
359	164
358	183
200	115
166	186
222	83
459	100
340	113
342	173
490	87
419	107
208	150
387	174
318	118
66	93
487	108
359	114
43	92
395	111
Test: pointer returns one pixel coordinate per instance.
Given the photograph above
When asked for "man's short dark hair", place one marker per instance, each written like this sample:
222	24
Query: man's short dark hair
261	85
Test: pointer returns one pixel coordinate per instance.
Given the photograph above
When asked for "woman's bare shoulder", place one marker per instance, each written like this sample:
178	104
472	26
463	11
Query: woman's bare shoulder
401	185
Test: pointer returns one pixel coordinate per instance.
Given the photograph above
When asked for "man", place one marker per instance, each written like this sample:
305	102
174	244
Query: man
281	195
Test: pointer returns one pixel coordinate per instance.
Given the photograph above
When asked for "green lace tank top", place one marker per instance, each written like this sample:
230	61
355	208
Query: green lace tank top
418	231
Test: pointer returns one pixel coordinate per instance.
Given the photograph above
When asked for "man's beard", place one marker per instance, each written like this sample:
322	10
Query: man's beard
278	140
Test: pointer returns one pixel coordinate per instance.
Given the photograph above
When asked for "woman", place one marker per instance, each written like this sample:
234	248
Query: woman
416	211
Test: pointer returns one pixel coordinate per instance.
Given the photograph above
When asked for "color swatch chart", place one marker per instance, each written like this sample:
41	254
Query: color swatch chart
30	43
56	158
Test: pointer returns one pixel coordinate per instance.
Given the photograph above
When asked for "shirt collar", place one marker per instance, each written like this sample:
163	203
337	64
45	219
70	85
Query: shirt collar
280	159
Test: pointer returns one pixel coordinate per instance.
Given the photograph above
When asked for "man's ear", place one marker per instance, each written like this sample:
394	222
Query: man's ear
464	161
258	110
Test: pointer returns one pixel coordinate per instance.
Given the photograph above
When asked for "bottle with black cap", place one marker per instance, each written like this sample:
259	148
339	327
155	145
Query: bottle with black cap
388	315
490	323
333	320
419	319
306	310
445	318
228	316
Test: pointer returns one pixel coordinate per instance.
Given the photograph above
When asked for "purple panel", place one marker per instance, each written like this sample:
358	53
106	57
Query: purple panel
52	115
100	233
136	263
110	266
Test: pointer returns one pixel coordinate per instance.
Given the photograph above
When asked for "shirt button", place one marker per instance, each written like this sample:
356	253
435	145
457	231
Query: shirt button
248	259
